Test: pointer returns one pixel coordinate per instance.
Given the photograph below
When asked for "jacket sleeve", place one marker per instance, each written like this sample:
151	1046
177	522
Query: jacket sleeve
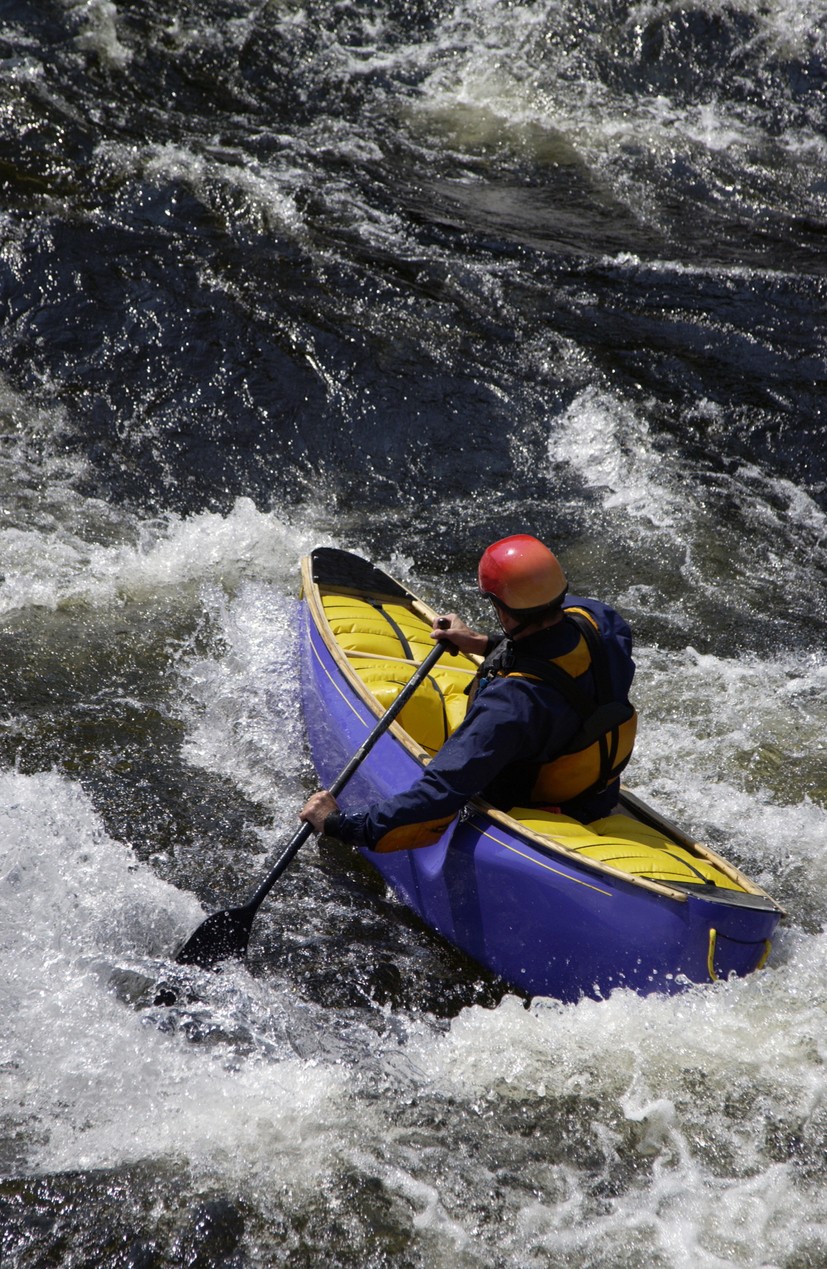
505	722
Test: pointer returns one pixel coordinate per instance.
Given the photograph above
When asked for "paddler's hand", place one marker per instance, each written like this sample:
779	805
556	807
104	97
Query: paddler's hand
453	629
317	808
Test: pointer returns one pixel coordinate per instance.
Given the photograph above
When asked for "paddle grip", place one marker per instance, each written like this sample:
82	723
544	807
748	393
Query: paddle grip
444	624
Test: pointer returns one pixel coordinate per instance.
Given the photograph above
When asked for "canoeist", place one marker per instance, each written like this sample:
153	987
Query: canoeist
549	721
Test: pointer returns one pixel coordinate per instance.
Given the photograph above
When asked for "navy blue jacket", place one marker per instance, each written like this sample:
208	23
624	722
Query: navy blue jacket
513	725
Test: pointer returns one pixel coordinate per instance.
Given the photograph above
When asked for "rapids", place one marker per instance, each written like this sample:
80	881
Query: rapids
400	278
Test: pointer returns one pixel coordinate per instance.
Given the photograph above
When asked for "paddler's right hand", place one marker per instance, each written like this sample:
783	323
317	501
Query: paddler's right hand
452	628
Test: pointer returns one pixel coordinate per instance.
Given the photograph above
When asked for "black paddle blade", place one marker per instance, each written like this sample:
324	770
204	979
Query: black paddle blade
222	936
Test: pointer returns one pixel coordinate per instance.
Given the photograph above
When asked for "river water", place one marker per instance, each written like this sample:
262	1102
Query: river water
402	278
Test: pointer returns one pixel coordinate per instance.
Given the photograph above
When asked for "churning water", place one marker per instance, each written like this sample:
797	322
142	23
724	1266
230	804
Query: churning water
401	278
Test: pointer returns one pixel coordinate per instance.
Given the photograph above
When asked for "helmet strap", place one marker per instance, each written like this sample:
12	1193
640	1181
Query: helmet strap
526	617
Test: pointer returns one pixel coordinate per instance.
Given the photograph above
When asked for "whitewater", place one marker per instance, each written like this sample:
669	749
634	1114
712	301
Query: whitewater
398	279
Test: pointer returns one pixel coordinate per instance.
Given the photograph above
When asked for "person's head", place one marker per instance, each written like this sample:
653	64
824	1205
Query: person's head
524	581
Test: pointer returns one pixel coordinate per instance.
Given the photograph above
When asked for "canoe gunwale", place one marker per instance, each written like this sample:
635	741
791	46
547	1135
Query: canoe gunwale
312	591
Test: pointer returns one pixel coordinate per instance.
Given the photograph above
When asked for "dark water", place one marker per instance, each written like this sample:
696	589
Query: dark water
401	278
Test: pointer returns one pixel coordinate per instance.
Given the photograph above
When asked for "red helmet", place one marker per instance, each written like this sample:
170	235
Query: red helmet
522	575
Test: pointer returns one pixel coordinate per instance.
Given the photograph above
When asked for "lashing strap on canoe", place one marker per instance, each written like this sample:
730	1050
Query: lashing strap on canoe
359	627
395	627
702	877
408	652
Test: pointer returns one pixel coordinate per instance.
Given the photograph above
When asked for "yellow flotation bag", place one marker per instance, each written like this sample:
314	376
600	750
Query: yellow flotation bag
392	640
627	845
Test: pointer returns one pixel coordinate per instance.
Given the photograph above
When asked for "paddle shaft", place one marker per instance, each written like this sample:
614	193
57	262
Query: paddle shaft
296	843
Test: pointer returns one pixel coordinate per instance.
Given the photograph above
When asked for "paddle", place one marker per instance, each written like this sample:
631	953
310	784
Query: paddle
226	934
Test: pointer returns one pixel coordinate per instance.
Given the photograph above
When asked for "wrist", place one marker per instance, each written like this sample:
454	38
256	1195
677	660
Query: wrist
479	644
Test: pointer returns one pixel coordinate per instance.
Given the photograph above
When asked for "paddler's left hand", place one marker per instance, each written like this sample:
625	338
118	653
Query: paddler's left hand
317	808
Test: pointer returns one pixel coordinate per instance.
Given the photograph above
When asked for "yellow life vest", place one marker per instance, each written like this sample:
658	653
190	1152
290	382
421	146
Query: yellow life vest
602	746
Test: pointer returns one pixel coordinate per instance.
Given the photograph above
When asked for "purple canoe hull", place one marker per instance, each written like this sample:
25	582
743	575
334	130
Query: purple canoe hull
548	924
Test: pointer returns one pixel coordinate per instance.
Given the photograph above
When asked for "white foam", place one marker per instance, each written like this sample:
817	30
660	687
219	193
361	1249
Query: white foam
242	706
36	479
667	1087
683	1090
683	1085
609	445
782	509
98	22
526	76
67	888
735	743
787	28
94	1085
52	569
499	58
775	533
268	191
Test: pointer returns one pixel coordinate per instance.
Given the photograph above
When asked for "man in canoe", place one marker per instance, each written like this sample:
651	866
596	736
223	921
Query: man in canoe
549	722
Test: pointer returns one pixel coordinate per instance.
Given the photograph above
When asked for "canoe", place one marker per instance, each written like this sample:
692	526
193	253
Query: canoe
554	907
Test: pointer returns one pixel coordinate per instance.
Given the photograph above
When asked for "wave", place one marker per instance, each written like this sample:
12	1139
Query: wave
405	278
53	569
691	1097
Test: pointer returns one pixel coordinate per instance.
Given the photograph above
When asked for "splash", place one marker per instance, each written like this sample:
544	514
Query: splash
95	1085
610	446
673	1109
97	21
241	703
56	569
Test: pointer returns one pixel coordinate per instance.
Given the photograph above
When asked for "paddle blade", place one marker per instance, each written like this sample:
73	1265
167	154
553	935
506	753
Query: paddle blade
222	936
